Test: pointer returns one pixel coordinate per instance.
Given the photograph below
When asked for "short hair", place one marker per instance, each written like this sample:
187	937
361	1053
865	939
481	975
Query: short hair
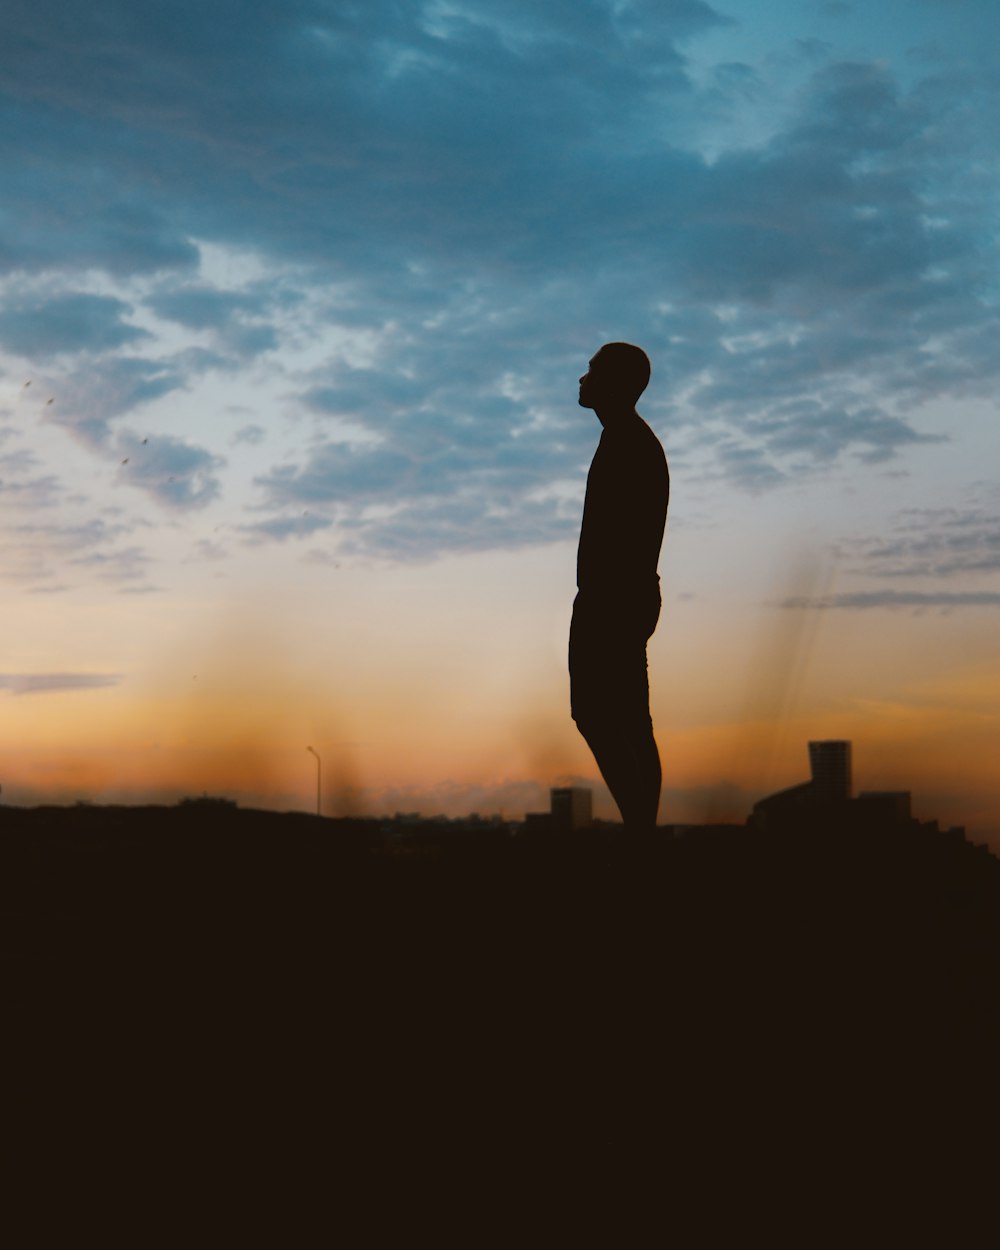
628	366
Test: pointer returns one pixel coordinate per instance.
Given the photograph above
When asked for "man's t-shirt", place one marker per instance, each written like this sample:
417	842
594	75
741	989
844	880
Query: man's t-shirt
624	515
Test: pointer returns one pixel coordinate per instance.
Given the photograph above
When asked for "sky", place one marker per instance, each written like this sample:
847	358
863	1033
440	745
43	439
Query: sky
293	303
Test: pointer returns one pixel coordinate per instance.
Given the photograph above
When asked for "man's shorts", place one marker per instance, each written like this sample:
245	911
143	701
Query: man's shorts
609	681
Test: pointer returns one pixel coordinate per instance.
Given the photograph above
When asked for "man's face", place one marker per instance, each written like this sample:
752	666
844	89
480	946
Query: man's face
590	383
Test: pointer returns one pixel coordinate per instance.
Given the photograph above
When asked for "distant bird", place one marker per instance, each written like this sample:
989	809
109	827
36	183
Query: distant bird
125	461
144	441
49	401
28	383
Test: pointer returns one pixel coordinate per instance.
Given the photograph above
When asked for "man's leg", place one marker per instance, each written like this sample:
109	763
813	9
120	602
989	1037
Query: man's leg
629	761
610	703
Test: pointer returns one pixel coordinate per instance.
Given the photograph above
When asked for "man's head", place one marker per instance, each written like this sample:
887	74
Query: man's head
617	376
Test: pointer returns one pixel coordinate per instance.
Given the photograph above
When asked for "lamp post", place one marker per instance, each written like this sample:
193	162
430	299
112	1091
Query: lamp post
319	771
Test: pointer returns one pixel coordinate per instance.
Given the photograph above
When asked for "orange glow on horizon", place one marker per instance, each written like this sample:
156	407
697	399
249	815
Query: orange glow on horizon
711	773
468	710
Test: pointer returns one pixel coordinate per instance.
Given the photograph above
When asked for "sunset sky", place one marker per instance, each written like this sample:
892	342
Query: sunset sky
293	301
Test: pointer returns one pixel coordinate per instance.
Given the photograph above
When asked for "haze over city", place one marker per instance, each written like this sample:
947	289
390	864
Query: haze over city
293	304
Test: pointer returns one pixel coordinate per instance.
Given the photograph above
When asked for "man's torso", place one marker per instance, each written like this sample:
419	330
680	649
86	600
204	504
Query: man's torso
624	514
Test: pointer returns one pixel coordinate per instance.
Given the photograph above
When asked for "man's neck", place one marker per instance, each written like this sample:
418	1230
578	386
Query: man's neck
612	417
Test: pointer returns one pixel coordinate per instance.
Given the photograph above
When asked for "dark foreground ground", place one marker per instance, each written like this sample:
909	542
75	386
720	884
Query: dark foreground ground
711	1040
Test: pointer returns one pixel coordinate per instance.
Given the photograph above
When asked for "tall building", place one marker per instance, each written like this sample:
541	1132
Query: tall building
830	763
572	807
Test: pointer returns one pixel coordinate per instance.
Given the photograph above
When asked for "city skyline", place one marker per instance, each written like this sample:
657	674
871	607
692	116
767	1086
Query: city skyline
290	328
828	794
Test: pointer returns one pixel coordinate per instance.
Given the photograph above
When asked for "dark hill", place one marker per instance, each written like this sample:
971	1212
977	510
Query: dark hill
786	1020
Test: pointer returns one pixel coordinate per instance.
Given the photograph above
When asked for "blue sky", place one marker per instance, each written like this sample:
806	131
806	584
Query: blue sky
308	286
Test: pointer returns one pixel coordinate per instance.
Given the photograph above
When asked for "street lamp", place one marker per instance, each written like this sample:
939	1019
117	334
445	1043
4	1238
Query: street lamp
319	771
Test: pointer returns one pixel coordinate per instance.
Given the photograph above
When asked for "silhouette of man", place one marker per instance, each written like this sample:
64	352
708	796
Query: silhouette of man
618	588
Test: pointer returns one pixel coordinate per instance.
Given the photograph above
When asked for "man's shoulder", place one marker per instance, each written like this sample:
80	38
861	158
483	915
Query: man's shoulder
645	439
647	430
630	430
634	443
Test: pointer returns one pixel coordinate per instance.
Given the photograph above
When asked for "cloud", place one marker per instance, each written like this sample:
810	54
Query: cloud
74	204
866	599
941	543
235	316
416	531
202	307
73	537
22	491
480	195
206	549
19	461
250	435
38	492
279	529
431	477
51	683
40	328
39	556
810	430
204	129
127	566
749	466
176	474
931	548
91	396
250	340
